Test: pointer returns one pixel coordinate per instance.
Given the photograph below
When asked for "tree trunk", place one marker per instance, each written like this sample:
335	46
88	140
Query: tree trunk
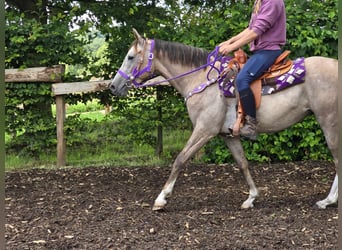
159	147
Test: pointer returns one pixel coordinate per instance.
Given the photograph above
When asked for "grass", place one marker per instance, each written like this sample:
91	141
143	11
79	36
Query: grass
96	146
107	154
119	152
17	162
89	106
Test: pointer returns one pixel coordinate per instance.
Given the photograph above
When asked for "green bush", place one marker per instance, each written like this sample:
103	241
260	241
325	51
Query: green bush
29	122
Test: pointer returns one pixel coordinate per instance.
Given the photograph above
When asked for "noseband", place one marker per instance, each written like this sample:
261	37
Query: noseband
136	73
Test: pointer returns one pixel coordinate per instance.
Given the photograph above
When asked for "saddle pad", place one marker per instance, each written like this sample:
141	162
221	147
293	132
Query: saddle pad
294	76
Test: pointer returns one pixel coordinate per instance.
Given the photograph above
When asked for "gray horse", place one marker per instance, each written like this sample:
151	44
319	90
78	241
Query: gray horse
212	113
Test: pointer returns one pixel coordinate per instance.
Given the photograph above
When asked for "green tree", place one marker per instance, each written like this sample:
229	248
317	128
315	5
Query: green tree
35	37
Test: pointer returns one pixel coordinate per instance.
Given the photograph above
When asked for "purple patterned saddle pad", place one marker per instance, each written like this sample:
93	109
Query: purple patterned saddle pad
294	76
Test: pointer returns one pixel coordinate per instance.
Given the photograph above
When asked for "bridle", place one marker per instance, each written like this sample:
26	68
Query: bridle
136	73
131	78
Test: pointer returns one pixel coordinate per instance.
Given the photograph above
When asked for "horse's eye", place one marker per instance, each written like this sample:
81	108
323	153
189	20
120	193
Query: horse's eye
130	57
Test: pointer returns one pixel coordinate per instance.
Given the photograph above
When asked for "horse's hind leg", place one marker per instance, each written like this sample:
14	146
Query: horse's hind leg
329	127
321	87
332	197
195	142
235	147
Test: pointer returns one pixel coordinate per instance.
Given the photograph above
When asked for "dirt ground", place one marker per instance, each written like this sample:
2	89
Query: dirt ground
110	208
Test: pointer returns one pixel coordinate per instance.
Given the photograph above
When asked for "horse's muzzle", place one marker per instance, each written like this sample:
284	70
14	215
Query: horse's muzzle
119	90
113	89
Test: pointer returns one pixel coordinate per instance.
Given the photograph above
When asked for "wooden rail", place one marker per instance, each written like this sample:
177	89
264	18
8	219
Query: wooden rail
37	74
59	89
79	87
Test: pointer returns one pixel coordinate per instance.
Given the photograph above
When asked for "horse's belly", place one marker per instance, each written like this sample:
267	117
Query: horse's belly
282	110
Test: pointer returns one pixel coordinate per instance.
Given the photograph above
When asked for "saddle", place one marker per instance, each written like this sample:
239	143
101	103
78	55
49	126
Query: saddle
281	65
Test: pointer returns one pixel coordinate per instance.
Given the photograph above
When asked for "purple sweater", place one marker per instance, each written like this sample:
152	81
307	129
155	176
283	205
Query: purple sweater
270	25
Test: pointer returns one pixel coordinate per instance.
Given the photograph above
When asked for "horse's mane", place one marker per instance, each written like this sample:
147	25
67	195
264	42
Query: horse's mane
181	53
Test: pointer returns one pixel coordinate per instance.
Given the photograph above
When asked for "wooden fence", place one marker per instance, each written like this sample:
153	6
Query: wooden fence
59	89
54	75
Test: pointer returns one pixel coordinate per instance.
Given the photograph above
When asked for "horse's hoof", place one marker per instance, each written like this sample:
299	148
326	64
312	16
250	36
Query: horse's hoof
157	208
159	205
321	205
247	205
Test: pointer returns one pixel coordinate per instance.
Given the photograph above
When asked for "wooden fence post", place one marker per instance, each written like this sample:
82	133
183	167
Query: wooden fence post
61	143
59	90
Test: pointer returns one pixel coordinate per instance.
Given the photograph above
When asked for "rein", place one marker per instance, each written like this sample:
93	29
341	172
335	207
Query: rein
136	73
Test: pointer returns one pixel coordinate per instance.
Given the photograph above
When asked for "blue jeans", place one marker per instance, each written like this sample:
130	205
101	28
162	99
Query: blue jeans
255	66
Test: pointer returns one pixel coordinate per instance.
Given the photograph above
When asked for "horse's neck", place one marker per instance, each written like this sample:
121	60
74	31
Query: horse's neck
183	84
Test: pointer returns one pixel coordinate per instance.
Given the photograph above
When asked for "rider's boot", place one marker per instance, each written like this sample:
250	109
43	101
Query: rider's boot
249	129
248	104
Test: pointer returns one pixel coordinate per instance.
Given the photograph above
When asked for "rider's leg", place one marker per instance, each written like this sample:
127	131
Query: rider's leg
256	65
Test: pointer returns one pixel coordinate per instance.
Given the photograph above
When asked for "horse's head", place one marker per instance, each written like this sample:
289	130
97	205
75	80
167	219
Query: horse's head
136	67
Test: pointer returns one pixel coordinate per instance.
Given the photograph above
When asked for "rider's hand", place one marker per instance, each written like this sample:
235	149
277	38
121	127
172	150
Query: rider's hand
225	47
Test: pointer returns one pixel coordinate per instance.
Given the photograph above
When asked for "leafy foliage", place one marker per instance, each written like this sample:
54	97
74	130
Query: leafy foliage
31	131
29	42
312	34
141	115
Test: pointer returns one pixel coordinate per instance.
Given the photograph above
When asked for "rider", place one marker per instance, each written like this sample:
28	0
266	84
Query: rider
266	34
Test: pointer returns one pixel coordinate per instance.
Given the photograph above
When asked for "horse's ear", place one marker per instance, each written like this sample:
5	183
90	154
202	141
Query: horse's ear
137	35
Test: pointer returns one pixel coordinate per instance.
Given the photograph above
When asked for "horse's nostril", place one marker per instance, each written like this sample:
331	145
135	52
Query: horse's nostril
112	87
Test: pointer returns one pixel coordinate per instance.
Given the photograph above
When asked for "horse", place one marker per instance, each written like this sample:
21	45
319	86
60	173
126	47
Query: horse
212	113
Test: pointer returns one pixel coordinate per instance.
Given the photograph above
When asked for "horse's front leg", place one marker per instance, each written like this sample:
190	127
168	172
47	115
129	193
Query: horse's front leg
160	202
197	140
235	147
